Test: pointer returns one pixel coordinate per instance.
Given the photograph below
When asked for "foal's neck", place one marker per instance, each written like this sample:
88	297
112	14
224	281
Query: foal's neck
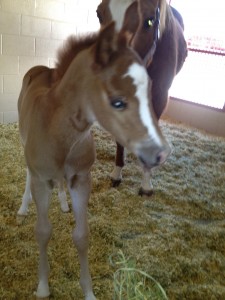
75	89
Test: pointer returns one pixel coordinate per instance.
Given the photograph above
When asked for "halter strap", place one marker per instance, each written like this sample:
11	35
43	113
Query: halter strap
156	25
156	35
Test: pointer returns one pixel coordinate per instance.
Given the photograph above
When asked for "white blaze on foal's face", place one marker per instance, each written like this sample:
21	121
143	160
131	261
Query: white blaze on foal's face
141	80
118	9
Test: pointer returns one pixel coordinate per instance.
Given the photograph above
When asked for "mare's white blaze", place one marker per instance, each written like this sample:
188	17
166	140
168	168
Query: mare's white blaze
118	9
141	80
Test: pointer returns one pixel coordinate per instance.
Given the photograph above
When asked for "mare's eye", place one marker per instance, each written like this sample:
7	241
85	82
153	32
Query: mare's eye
148	23
118	103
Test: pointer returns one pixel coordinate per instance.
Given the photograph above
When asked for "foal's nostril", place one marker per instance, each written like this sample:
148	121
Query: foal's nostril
162	156
153	156
158	159
141	160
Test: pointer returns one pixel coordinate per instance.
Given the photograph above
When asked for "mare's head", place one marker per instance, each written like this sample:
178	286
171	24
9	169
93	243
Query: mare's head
155	32
143	21
121	98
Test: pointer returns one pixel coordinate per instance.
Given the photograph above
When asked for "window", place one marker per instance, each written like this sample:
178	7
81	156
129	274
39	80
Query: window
201	79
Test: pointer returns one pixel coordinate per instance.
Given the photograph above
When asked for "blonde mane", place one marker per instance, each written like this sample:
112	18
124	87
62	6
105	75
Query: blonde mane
165	15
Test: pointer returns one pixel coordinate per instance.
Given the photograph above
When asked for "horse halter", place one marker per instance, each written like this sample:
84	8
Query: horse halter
156	25
156	35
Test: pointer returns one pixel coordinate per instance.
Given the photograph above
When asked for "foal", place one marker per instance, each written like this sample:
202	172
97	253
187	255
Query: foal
97	78
155	31
27	198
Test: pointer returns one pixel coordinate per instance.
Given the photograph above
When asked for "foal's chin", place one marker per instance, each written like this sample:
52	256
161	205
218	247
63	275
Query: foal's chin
147	167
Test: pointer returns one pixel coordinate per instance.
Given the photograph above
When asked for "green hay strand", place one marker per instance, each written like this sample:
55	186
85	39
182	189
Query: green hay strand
131	283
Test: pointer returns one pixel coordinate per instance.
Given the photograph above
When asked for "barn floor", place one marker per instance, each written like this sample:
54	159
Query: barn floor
177	236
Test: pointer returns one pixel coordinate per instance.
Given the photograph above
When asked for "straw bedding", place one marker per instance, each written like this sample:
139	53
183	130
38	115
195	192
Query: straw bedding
176	236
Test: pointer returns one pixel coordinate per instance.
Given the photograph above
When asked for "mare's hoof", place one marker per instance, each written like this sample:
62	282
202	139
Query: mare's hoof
143	192
116	182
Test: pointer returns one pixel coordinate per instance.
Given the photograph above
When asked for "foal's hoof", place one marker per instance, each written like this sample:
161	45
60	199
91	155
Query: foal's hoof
143	192
116	182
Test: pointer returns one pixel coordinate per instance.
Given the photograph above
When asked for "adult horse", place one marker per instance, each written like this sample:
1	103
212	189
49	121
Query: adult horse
97	78
155	31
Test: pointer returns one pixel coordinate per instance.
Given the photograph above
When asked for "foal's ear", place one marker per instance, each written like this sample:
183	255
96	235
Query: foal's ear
106	46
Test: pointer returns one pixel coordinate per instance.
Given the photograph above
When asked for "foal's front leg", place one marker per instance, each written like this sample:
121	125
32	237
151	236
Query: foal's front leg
41	192
80	187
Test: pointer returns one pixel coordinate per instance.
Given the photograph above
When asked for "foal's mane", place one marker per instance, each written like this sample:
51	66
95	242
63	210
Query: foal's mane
73	45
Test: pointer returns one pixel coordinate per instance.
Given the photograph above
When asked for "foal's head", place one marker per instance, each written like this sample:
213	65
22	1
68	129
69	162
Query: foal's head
121	99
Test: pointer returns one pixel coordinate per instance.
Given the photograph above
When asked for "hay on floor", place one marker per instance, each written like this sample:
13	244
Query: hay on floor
177	236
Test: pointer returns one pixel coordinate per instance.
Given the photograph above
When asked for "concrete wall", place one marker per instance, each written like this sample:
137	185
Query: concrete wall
30	33
202	117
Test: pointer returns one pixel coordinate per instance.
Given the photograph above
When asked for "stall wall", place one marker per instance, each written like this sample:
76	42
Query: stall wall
202	117
31	31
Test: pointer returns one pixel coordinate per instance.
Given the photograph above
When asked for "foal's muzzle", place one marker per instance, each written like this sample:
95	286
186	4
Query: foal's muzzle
152	156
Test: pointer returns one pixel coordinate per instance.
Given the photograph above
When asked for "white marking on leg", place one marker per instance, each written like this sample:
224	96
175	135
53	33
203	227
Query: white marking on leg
116	173
27	198
146	183
141	80
63	201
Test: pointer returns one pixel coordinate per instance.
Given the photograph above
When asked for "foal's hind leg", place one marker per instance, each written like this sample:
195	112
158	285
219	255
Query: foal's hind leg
27	198
41	192
79	187
62	197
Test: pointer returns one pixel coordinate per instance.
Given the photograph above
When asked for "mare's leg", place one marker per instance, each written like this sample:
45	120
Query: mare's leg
62	197
79	187
116	175
146	184
27	198
41	192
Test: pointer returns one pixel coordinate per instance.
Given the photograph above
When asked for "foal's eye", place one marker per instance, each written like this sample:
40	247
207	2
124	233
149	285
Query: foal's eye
148	23
118	103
